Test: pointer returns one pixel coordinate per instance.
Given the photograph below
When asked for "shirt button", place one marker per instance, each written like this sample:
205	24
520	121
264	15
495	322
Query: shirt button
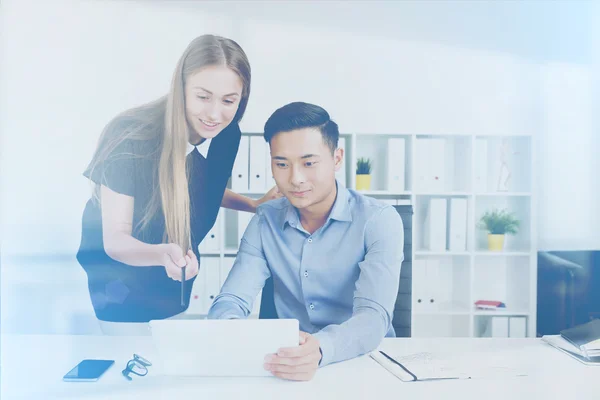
311	306
309	240
306	274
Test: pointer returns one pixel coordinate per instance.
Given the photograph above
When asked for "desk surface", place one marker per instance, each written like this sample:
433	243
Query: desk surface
33	366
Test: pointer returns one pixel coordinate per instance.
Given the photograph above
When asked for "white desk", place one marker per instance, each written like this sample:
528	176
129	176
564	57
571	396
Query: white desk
32	367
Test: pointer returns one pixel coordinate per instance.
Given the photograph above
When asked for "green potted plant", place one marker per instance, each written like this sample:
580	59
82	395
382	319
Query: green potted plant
498	223
363	174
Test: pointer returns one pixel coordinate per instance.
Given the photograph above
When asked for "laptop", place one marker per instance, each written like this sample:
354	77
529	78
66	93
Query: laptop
233	347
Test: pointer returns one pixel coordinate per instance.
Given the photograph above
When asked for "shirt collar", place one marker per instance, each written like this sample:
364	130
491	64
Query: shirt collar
202	147
340	210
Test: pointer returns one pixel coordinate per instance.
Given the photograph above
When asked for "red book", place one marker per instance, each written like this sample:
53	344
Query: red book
489	304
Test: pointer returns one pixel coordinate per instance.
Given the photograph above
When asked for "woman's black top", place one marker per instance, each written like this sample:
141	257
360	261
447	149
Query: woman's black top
123	293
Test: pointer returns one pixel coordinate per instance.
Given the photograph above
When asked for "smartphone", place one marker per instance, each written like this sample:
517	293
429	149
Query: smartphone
88	371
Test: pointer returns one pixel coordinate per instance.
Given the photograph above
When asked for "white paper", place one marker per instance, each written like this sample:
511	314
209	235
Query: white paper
480	364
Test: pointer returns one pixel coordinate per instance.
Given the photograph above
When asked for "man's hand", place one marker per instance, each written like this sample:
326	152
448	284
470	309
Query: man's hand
296	363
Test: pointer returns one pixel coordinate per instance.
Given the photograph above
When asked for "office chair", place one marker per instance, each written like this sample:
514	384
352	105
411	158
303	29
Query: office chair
403	307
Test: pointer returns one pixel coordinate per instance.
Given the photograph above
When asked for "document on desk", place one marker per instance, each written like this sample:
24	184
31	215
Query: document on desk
429	366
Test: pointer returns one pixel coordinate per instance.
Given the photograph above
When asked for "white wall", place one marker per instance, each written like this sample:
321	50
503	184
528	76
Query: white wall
568	192
371	84
568	149
63	82
67	68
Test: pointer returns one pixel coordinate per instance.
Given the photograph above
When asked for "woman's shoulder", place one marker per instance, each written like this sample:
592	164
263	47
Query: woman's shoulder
126	134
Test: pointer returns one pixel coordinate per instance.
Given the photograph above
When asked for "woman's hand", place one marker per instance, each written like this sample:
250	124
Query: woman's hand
272	194
173	260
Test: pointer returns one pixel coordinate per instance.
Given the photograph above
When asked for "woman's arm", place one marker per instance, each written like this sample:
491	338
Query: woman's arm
120	245
235	201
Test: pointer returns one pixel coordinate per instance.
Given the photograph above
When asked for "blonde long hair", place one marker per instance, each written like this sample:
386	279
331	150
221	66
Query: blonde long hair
165	119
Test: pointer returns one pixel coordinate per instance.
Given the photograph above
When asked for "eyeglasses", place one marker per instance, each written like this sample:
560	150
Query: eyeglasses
137	365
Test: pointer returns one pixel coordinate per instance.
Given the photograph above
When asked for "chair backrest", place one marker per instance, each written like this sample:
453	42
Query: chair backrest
267	301
403	308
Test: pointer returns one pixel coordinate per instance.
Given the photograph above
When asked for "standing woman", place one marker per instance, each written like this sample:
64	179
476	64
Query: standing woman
160	172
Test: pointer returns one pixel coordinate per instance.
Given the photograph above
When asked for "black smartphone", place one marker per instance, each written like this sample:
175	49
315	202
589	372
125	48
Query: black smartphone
88	371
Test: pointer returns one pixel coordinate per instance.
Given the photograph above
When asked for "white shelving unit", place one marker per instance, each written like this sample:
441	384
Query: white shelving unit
446	283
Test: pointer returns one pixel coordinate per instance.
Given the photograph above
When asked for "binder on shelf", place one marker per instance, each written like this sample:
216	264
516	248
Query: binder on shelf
340	174
499	327
430	165
435	225
433	284
239	174
425	285
396	156
419	285
421	166
481	166
457	235
206	287
269	180
258	181
212	241
213	284
226	265
243	221
196	306
517	327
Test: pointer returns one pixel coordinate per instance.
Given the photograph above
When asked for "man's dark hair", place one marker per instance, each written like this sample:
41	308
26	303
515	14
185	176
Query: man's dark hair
300	115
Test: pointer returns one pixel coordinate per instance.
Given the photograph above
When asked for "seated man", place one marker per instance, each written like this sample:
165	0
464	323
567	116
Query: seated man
334	254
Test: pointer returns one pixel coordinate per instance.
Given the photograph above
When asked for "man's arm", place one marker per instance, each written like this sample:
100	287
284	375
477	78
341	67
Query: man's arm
375	293
246	279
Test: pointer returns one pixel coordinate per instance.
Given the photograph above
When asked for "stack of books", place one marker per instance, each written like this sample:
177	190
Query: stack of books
581	342
489	305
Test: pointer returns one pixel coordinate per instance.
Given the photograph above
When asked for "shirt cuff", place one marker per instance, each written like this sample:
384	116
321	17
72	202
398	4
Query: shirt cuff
225	310
327	349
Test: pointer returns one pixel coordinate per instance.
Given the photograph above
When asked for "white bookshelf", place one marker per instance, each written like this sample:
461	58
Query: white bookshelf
446	282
